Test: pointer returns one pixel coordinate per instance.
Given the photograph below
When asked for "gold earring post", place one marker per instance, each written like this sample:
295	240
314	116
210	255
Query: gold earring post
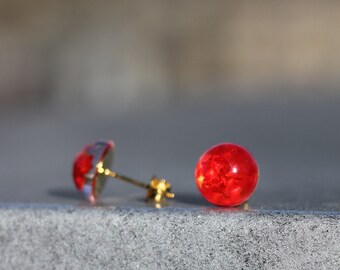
157	190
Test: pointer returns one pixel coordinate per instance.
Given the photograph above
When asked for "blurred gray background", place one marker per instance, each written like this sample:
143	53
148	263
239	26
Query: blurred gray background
167	80
127	53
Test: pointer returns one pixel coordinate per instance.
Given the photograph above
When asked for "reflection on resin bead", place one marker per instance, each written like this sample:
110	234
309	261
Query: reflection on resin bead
85	174
226	175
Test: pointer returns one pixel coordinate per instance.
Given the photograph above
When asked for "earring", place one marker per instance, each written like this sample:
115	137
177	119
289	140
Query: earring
90	172
226	174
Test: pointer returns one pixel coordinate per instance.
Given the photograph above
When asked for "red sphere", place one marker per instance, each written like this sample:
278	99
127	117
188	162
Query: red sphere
226	174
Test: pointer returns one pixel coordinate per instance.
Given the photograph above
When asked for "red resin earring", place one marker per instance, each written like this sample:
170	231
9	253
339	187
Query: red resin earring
90	172
226	175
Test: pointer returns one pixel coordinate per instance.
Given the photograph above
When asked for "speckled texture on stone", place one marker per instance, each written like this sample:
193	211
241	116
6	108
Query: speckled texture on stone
38	237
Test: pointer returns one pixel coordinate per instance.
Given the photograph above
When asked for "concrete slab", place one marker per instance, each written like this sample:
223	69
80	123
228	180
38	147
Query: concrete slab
40	237
291	222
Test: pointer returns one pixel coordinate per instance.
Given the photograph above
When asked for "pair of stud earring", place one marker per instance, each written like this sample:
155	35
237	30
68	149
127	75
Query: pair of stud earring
226	174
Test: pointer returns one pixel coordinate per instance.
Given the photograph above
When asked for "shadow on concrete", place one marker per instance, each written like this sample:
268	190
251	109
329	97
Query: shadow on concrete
198	200
64	193
194	199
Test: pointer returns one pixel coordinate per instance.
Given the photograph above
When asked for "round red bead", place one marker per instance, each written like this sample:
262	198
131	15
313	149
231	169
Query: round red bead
226	174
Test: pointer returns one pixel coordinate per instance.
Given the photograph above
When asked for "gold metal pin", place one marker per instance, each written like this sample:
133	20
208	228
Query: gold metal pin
157	190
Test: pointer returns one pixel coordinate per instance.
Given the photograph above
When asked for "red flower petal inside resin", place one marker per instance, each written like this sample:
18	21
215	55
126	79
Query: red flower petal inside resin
226	175
82	165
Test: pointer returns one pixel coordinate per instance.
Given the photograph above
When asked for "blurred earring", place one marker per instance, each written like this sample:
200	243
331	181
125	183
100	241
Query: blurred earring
90	172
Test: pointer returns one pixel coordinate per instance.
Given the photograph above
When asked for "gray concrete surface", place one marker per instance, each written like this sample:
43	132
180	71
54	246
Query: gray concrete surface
292	221
47	237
